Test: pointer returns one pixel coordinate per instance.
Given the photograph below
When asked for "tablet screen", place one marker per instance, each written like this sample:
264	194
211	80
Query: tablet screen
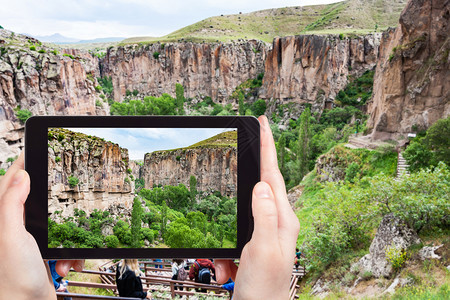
142	187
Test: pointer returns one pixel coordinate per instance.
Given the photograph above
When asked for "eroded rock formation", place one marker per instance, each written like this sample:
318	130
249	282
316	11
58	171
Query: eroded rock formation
213	70
411	84
36	78
312	69
214	168
86	173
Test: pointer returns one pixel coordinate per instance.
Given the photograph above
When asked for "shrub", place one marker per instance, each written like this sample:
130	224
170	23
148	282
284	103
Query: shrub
55	52
73	181
135	92
351	172
23	115
129	170
106	84
42	51
57	159
98	103
156	54
33	48
98	88
2	172
396	257
111	241
259	107
10	159
341	36
69	55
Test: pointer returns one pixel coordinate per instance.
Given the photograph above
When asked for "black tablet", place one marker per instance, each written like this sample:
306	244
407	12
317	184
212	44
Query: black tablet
141	186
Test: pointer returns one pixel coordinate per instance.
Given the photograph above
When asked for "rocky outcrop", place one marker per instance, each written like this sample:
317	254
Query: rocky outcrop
215	168
87	173
312	69
411	86
42	80
392	232
213	70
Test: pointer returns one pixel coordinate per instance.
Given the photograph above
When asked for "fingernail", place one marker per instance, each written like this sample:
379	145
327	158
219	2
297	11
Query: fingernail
262	190
18	177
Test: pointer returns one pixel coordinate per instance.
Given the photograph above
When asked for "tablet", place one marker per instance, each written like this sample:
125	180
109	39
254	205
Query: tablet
141	186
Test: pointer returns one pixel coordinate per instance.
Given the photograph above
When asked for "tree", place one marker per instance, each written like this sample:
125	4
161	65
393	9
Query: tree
241	104
163	219
136	217
193	188
303	153
179	91
282	152
438	140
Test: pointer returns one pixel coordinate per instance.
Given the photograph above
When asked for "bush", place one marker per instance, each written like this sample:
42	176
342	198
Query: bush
259	107
135	92
129	170
156	54
396	257
57	159
2	172
73	181
106	84
111	241
351	172
23	115
33	48
98	103
42	51
69	55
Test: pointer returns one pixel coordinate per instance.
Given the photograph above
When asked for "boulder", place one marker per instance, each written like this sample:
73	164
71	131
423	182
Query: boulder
428	253
392	232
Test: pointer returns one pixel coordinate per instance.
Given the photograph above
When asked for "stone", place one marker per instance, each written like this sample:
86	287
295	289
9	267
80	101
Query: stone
392	232
411	85
320	288
107	229
428	252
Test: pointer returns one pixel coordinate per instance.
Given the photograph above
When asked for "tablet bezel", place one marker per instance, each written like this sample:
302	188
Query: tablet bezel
36	164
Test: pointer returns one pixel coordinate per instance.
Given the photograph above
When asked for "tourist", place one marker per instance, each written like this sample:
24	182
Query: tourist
58	283
274	238
178	271
202	270
128	280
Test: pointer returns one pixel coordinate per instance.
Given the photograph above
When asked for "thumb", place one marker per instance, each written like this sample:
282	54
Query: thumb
265	214
13	199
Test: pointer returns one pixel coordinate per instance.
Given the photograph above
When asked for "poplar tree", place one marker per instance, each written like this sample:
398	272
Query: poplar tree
303	153
282	153
136	217
179	100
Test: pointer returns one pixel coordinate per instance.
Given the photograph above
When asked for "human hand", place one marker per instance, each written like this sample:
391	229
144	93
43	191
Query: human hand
265	265
61	288
23	273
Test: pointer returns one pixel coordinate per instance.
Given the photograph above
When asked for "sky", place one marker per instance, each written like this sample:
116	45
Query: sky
139	141
90	19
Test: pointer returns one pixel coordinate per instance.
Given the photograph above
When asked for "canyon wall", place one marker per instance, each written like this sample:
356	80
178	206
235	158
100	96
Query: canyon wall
312	69
215	168
208	69
99	166
43	81
411	84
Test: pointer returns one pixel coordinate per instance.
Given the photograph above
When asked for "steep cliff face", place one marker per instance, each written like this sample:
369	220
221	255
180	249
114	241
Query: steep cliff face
213	70
312	69
214	168
45	82
86	173
411	85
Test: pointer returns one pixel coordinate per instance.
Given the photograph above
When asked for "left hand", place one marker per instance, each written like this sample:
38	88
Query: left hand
23	273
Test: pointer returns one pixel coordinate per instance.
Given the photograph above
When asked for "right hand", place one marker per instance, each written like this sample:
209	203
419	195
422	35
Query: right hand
266	265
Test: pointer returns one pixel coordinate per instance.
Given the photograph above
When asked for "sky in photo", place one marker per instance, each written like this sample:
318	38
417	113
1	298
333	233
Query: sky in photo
139	141
90	19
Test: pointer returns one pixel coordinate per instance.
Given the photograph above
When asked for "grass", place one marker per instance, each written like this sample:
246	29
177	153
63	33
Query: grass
347	17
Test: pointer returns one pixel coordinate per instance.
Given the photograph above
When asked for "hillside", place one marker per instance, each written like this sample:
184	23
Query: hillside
351	16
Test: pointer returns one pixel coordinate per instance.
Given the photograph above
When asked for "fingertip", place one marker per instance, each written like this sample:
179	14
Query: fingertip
225	269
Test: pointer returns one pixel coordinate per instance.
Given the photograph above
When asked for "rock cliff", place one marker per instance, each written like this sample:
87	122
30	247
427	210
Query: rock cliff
86	172
312	69
214	168
43	81
411	84
213	70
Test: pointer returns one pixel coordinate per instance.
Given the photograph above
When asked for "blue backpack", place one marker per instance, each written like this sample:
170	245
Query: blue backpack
204	275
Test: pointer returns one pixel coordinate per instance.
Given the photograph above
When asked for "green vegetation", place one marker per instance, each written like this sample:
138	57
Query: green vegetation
2	172
179	92
164	105
287	21
426	150
173	217
33	48
69	55
106	84
23	115
156	54
358	91
42	51
57	159
73	181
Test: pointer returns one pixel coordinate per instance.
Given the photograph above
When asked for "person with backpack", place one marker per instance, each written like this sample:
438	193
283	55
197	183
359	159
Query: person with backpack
201	271
178	271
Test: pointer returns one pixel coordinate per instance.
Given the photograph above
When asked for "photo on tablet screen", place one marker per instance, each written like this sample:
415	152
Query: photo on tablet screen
142	187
